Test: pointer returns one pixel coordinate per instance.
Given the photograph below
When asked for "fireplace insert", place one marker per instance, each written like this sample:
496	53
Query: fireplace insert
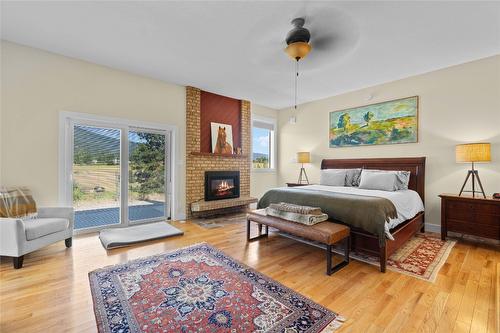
222	185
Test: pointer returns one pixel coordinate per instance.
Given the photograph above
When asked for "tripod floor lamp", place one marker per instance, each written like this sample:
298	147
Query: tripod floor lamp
473	152
303	157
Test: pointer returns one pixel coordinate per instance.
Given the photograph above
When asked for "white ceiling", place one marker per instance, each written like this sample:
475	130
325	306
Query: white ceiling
236	49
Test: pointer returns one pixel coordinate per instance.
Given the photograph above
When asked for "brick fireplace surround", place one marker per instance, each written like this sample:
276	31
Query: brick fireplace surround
198	162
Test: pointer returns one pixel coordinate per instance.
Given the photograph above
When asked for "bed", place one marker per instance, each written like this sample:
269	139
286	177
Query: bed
367	237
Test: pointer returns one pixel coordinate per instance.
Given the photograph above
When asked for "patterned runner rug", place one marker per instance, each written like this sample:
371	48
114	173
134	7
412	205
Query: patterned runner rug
199	288
421	257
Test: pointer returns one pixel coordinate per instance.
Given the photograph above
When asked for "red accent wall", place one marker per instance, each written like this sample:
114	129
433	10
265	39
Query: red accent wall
218	109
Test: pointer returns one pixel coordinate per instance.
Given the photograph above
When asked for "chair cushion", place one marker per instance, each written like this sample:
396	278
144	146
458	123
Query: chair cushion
37	228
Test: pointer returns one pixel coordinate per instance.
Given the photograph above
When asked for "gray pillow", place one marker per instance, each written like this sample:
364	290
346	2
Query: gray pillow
332	177
402	177
384	181
352	176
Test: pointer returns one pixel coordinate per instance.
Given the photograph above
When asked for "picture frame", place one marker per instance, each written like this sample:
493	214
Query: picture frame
222	138
389	122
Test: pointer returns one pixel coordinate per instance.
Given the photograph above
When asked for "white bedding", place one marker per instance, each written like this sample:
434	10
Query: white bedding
407	202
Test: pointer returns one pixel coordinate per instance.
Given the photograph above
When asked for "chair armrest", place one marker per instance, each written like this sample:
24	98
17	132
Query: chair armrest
60	212
12	236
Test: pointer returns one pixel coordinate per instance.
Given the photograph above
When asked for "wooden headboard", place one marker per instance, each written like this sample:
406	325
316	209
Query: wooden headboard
416	165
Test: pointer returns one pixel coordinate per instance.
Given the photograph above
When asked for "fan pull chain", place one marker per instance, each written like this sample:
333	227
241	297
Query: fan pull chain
296	82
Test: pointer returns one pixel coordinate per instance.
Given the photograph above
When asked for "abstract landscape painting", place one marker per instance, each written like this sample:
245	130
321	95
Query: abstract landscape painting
376	124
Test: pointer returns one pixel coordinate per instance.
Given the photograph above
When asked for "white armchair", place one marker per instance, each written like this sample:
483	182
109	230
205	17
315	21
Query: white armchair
18	237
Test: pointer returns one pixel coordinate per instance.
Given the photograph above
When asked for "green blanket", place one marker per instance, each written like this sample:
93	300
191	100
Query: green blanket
359	211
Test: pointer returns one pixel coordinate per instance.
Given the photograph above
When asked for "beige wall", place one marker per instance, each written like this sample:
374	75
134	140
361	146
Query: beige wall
261	181
457	104
37	85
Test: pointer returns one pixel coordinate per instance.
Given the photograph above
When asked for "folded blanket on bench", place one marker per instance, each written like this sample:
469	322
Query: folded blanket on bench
292	208
307	219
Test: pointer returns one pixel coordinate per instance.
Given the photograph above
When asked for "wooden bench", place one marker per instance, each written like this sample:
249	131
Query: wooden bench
326	233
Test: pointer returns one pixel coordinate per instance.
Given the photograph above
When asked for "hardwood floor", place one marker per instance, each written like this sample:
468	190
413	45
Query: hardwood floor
51	292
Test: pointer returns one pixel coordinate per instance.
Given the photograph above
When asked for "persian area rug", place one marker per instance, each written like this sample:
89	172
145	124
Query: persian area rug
421	257
200	289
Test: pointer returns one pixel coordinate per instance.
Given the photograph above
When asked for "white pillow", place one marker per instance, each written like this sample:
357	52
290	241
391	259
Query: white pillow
373	180
332	177
402	177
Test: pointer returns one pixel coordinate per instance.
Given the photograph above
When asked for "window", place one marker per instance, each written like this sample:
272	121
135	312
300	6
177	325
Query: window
263	143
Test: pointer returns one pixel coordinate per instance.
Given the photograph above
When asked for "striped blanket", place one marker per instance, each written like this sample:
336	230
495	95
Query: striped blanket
16	202
288	207
296	213
307	219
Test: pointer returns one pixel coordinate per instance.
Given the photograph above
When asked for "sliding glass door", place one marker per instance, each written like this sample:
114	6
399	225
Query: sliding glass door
119	174
147	160
96	176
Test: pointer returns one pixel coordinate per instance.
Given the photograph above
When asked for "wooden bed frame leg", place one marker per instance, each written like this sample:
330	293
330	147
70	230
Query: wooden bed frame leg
383	259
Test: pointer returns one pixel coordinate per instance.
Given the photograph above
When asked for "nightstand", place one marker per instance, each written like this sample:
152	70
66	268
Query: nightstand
471	216
296	184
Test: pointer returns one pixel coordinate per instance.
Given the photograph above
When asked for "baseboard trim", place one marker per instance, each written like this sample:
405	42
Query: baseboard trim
433	228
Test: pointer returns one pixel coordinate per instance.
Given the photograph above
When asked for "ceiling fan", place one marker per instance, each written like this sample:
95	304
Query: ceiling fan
297	40
298	48
300	42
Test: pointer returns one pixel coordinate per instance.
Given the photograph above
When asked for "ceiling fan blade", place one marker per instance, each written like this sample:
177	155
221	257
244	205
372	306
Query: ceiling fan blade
322	43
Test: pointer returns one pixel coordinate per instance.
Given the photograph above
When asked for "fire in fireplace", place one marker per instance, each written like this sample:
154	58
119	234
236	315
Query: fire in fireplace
222	185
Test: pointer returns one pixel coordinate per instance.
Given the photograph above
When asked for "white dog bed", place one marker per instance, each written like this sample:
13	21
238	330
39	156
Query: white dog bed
119	237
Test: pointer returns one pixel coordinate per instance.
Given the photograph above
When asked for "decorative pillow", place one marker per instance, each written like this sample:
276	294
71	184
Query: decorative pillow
17	202
353	176
373	180
402	177
333	177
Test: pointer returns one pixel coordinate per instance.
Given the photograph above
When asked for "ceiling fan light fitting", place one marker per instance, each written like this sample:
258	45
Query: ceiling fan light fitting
298	50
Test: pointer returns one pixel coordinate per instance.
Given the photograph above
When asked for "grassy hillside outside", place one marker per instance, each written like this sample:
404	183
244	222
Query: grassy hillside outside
101	183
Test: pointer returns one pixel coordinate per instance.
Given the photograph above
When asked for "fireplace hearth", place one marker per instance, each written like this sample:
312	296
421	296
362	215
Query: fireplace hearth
222	185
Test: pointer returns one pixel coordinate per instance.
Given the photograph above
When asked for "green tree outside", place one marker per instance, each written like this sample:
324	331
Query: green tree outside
147	165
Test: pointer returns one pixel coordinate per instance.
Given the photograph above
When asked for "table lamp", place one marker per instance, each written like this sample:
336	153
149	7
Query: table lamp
303	157
473	152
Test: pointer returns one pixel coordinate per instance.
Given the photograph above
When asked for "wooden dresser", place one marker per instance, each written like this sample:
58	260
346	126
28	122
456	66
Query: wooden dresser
471	216
296	184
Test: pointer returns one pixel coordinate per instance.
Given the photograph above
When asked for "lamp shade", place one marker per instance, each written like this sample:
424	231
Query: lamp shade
303	157
473	152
